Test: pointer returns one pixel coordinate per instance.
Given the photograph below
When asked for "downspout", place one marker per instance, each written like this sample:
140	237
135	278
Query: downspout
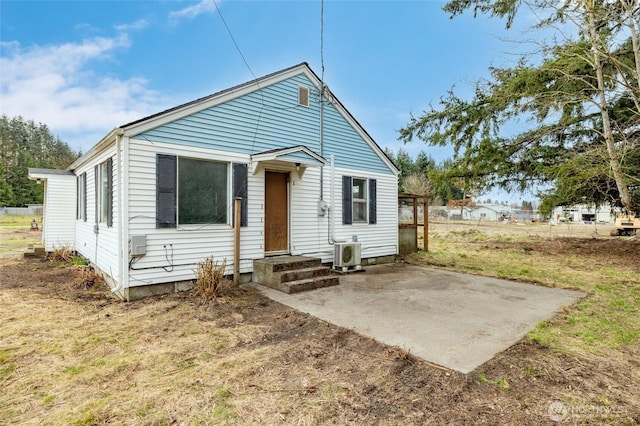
332	225
122	147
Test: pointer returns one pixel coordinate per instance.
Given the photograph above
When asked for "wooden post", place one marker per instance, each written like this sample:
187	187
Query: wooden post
425	210
415	218
236	239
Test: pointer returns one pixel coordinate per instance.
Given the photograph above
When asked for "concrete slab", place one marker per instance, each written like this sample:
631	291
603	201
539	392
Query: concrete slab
455	320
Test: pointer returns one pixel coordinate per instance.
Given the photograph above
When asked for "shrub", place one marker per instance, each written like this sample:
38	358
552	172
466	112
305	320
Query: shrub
62	254
210	279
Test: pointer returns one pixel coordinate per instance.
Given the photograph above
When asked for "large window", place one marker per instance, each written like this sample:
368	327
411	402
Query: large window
194	191
359	200
202	191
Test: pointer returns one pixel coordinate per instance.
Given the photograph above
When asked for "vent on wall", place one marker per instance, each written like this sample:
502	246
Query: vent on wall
303	96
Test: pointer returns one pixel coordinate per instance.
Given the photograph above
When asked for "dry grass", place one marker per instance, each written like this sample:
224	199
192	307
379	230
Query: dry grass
16	235
71	354
608	269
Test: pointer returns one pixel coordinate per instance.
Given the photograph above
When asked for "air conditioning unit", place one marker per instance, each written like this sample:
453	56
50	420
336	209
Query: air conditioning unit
346	254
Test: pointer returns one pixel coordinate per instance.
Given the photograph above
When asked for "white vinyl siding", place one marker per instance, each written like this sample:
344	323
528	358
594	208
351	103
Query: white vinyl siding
58	212
95	240
172	253
310	232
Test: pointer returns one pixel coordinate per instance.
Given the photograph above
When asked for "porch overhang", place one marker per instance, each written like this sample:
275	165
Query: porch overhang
299	157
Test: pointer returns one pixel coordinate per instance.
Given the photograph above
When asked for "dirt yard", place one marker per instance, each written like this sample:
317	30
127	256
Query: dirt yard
72	354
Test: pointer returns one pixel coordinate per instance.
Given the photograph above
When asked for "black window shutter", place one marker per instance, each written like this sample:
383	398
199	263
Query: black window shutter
78	193
373	210
84	191
96	174
240	183
166	191
110	192
347	200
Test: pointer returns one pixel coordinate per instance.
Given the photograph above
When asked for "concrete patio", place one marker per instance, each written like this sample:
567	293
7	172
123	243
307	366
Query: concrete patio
458	321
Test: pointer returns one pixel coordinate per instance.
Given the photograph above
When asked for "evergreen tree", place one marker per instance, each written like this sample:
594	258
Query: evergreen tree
25	144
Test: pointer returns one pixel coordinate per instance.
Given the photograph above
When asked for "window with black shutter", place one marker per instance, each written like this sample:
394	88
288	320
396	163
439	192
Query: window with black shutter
166	190
373	208
347	197
240	190
192	191
359	200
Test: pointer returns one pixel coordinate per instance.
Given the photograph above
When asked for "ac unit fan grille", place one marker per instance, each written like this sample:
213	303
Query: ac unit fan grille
347	254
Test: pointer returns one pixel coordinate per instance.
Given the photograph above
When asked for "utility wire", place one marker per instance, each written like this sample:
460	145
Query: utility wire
234	40
322	40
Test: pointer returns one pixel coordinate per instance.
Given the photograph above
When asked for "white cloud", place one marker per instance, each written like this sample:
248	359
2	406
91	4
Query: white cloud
58	85
140	24
192	11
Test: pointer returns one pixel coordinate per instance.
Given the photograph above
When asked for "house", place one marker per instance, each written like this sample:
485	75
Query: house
155	196
489	212
584	213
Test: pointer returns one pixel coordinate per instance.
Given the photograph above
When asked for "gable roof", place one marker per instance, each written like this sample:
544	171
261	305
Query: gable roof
142	125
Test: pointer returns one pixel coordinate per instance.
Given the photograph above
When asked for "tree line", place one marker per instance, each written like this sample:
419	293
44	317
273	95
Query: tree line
24	144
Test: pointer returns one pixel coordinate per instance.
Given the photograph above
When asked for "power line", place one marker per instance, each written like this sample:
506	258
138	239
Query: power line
235	43
322	40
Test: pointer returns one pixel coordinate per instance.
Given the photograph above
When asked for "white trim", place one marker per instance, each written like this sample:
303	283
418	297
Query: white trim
101	146
272	158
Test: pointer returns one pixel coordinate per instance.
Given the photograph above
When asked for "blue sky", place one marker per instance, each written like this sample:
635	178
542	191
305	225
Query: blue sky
85	67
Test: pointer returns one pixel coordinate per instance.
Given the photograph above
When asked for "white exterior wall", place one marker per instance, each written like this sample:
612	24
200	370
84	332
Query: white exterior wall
58	228
490	214
308	232
575	212
101	249
190	243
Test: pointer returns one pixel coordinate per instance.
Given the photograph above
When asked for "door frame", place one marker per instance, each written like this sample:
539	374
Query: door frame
288	189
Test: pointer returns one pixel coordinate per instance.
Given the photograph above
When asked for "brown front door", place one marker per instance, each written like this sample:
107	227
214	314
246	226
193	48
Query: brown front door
276	213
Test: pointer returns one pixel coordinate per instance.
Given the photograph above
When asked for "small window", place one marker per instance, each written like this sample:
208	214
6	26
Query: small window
303	96
81	200
104	192
359	200
202	191
357	195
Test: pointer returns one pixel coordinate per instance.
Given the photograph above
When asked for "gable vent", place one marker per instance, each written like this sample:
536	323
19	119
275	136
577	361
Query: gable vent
303	96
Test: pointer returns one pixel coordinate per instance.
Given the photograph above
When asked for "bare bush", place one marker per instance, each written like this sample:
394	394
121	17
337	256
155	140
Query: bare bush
417	184
210	279
62	254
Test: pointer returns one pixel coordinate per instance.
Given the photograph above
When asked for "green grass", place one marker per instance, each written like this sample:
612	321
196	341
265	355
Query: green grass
608	318
9	220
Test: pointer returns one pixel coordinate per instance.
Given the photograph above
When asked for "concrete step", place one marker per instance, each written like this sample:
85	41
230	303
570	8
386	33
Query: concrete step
34	251
289	263
306	284
304	273
292	274
269	269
